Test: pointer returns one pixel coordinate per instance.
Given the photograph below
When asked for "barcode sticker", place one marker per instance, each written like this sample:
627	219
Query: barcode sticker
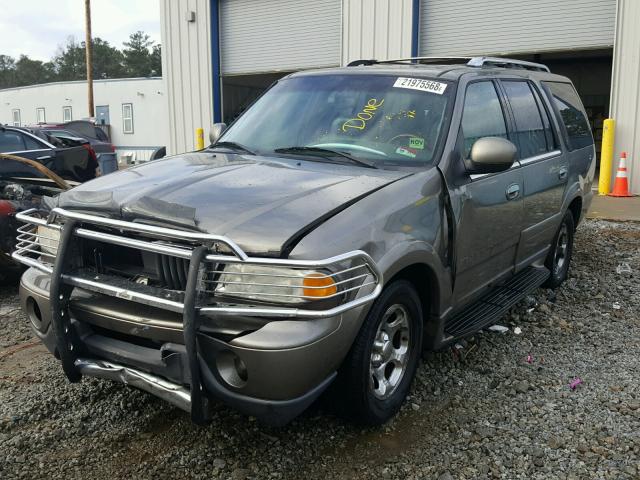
421	84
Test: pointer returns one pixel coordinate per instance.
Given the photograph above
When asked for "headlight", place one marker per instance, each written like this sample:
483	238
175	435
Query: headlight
274	284
48	238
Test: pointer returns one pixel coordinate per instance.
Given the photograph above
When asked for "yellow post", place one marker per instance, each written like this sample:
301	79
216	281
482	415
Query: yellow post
606	156
199	138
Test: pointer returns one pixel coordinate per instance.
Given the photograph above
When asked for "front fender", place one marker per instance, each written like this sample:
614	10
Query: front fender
417	253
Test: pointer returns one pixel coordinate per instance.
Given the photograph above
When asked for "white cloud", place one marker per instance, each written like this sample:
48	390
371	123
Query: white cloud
38	28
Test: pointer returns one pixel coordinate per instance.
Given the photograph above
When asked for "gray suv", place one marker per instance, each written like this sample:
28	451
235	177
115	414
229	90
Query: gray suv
349	219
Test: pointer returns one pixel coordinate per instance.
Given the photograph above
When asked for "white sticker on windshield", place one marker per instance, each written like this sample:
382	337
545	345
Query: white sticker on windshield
421	84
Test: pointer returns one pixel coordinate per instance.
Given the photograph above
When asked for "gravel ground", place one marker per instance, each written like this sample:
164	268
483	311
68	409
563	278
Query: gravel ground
499	406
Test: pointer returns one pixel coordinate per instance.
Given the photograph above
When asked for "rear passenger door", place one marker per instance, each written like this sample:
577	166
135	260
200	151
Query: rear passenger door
544	168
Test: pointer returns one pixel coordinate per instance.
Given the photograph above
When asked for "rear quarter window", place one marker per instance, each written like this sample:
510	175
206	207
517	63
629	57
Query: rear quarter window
572	114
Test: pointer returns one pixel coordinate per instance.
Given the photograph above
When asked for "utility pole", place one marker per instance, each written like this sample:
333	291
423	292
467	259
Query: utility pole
87	20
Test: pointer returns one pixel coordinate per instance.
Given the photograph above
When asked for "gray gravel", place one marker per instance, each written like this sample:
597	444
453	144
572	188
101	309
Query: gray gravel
498	406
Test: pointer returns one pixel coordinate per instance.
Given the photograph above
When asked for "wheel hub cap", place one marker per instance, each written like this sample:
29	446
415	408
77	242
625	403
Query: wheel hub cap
562	245
390	352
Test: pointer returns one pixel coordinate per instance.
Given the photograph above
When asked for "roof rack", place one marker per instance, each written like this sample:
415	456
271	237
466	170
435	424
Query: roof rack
357	63
469	61
506	63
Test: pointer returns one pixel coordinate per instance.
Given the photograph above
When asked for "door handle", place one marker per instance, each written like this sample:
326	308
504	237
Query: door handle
513	191
44	157
562	173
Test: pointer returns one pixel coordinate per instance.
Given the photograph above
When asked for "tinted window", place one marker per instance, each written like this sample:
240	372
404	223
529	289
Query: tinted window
32	144
482	115
552	143
101	135
529	133
11	141
572	114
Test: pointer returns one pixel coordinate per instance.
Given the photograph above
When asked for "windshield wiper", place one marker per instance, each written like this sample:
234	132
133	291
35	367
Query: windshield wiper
324	152
233	146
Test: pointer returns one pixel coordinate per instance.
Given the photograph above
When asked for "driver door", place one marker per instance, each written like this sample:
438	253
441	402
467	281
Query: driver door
489	206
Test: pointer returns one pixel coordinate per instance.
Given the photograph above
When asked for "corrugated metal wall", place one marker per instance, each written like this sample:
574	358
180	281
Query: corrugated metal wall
186	69
625	89
379	29
265	36
472	27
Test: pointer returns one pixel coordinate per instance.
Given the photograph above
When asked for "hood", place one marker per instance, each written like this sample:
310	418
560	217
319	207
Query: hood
262	203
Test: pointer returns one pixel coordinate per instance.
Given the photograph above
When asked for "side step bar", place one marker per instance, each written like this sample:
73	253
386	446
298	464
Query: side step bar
496	303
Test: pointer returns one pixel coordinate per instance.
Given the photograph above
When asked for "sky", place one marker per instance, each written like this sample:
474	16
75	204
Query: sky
38	28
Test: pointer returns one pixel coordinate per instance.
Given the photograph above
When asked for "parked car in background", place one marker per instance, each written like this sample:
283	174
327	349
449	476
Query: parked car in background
105	150
63	161
349	219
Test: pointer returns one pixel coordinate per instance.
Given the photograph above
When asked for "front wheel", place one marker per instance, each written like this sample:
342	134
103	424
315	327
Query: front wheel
376	375
559	255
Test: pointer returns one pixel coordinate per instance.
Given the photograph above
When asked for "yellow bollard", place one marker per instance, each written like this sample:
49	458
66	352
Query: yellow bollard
606	156
199	138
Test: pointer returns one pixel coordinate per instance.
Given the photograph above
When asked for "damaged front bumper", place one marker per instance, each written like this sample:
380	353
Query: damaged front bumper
170	345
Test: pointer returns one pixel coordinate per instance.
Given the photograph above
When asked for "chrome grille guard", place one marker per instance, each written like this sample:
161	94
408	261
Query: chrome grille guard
360	273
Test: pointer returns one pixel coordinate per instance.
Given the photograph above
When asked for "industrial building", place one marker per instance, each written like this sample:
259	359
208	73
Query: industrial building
219	55
133	111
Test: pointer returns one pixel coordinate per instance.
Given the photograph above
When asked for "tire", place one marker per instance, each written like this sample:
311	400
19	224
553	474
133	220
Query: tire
559	256
359	393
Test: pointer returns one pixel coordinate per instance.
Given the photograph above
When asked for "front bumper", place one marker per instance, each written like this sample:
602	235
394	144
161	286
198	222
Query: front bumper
288	363
179	349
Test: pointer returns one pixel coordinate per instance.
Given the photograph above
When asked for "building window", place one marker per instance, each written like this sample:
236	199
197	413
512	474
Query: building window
127	118
66	114
40	115
15	113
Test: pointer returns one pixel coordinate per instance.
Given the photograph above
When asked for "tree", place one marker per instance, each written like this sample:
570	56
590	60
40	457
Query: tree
156	61
69	63
30	72
108	61
137	55
141	57
7	71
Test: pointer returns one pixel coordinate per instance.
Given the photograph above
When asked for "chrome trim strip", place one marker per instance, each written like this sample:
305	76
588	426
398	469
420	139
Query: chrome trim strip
542	156
171	392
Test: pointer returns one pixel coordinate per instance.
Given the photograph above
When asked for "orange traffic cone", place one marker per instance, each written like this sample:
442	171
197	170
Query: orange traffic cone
621	184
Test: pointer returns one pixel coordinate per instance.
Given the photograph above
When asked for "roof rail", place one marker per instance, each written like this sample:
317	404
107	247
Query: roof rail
506	63
469	61
357	63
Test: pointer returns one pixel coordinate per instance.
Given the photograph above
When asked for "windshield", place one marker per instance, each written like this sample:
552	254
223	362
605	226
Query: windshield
380	119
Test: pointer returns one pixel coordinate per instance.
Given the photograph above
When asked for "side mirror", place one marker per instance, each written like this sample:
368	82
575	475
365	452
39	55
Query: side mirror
492	154
216	131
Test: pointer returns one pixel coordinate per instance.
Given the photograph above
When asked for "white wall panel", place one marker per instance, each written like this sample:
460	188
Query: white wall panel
478	27
147	95
625	89
379	29
259	36
186	67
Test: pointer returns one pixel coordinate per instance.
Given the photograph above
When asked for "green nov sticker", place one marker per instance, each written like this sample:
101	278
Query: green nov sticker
416	142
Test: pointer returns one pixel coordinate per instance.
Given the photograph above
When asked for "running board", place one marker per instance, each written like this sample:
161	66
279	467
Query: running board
496	303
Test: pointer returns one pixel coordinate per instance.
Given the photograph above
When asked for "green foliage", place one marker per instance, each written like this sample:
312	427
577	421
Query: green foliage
141	57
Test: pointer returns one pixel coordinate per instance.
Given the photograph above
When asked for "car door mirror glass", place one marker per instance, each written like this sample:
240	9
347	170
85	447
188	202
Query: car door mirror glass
216	131
492	154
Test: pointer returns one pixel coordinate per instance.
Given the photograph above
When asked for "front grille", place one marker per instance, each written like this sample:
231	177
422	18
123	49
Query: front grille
172	272
153	269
